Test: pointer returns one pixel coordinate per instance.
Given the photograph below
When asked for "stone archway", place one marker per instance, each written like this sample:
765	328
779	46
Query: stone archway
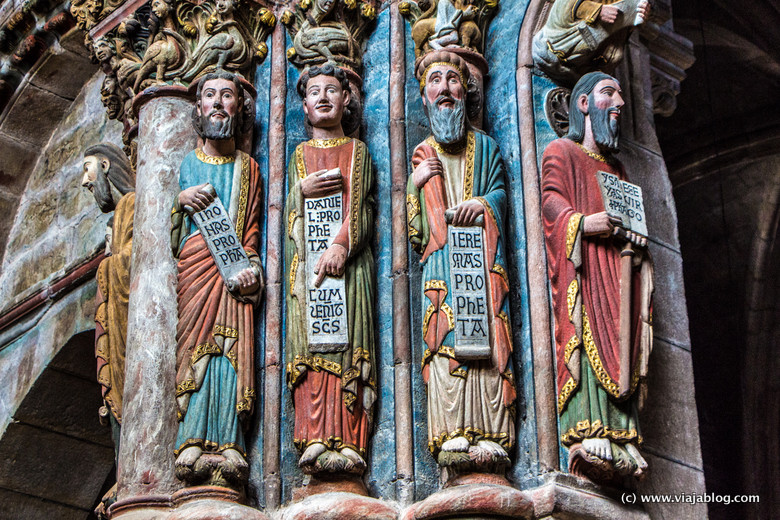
55	454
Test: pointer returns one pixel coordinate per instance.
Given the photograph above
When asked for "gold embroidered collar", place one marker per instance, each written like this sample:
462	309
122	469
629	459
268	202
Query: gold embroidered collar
451	149
594	155
214	159
328	143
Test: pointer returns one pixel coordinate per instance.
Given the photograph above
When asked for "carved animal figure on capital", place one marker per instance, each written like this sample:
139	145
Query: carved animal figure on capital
215	381
456	205
330	292
111	179
319	38
166	47
584	35
601	278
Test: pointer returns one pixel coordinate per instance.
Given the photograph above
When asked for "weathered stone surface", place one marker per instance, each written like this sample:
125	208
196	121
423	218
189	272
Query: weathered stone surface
53	69
566	497
34	115
38	216
213	509
340	506
16	161
146	453
53	466
669	420
473	501
33	266
77	357
65	404
667	477
670	315
648	170
19	505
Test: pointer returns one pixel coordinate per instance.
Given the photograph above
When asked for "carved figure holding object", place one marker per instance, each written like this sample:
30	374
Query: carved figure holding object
601	278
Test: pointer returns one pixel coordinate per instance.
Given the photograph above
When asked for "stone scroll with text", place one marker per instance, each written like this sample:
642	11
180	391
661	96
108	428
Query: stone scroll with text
623	200
468	282
219	233
326	304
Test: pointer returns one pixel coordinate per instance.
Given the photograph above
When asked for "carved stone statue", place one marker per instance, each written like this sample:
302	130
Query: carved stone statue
581	36
331	278
215	383
456	203
437	24
166	50
329	31
108	175
601	278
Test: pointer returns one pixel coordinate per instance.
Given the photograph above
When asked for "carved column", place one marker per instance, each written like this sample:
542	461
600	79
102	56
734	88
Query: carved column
145	471
150	54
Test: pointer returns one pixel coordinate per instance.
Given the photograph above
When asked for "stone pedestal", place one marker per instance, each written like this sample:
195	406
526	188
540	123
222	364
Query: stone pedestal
340	506
145	472
473	501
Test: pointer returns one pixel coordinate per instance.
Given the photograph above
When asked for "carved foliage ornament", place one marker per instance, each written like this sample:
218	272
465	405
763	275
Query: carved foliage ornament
329	30
556	109
177	41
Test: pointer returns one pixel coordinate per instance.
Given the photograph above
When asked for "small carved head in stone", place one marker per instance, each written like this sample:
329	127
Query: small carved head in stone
226	8
104	49
596	99
443	80
107	169
110	97
220	109
327	97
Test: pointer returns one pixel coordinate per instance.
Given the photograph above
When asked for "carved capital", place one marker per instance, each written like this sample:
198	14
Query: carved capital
670	56
172	42
329	30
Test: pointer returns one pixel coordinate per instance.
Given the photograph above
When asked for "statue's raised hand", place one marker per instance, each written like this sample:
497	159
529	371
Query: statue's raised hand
196	197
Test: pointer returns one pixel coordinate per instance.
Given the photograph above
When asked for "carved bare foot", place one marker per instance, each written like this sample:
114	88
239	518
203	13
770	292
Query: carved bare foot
456	444
598	448
311	453
641	463
234	466
494	449
185	462
356	463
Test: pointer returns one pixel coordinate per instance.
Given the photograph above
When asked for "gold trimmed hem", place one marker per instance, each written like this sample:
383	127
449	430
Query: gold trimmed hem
209	446
472	435
333	443
243	196
586	430
213	159
328	143
572	228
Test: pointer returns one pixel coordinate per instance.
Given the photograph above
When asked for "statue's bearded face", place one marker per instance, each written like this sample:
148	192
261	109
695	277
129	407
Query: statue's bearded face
325	101
604	104
217	109
445	104
95	179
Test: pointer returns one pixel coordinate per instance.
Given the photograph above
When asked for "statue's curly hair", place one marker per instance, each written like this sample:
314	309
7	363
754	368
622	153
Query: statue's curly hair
350	120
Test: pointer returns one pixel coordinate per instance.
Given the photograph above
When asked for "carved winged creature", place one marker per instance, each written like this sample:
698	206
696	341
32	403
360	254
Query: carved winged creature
166	47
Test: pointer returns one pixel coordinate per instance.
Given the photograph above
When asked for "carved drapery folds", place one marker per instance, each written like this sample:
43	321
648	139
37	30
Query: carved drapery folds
329	30
175	42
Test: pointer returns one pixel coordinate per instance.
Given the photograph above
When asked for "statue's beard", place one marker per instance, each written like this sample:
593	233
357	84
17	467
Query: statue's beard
220	129
448	125
606	131
101	189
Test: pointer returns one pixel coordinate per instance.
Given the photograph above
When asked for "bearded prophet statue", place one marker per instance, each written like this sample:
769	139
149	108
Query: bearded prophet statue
215	381
601	278
456	195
